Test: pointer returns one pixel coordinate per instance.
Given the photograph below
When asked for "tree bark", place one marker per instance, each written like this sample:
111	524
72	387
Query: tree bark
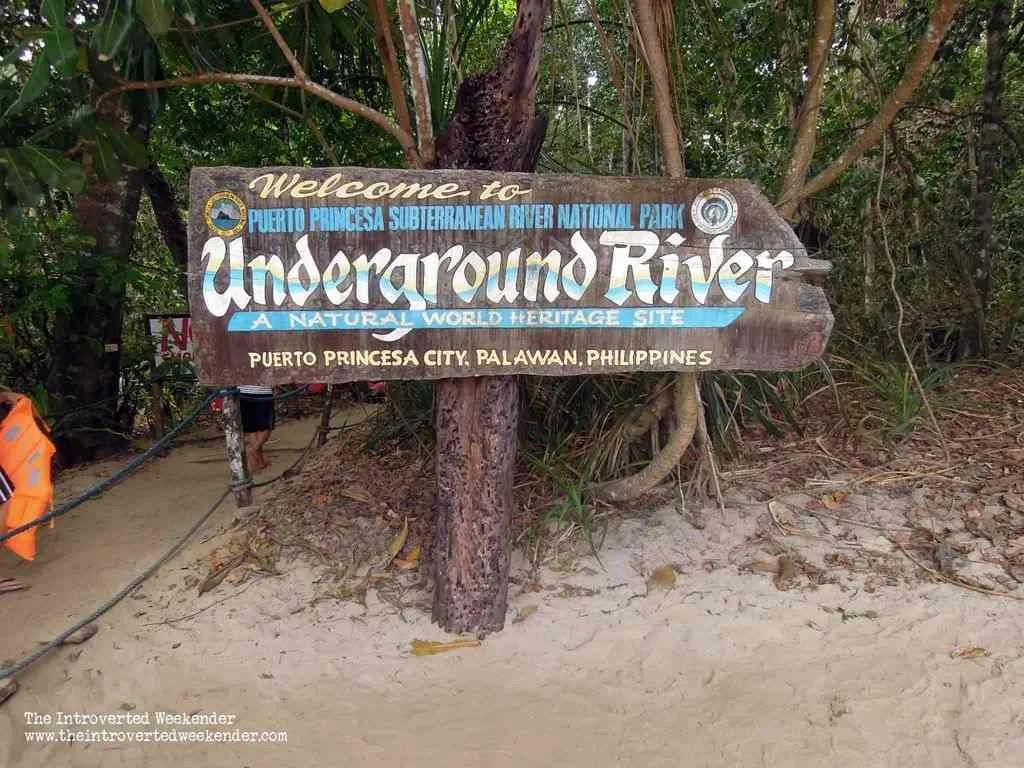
417	65
169	219
477	423
686	399
806	136
687	405
494	127
389	57
939	23
653	47
974	339
86	356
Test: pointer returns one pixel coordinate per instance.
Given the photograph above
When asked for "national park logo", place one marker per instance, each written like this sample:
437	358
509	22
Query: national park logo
225	214
714	211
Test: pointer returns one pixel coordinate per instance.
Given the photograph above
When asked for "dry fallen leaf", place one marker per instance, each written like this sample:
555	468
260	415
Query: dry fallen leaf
972	652
356	494
80	636
786	573
834	500
763	566
1014	501
396	544
410	562
782	513
661	578
431	647
8	689
524	613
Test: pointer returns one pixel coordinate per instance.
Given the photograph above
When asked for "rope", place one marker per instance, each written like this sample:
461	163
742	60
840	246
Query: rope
299	392
24	663
118	476
17	667
138	461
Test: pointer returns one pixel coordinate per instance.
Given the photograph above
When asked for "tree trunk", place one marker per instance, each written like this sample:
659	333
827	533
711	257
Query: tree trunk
169	219
686	396
494	127
806	134
477	437
86	356
974	340
687	411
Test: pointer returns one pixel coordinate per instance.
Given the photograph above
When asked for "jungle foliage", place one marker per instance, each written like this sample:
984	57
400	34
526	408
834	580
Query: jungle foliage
95	154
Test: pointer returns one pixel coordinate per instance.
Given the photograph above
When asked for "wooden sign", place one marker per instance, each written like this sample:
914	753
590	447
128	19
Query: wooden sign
341	274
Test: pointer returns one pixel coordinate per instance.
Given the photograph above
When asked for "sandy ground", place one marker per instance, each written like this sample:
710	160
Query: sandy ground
600	665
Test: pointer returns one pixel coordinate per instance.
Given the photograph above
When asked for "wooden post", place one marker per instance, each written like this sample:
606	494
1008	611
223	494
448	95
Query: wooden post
325	418
477	434
157	392
241	482
477	419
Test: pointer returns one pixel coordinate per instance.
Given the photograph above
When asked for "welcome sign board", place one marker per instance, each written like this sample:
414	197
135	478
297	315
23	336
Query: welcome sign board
342	274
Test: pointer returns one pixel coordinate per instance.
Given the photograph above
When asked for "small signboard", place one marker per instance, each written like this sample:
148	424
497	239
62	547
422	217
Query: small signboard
341	274
172	337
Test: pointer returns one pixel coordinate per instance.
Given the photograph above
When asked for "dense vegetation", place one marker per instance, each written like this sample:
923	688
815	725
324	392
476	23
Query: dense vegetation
923	227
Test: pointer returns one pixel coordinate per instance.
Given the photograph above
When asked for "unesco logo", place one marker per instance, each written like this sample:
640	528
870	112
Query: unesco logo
714	211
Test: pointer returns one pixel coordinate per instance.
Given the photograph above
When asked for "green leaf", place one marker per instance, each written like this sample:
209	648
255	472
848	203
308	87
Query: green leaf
156	16
55	13
105	160
124	145
19	178
13	56
59	42
334	5
187	11
112	32
61	50
54	169
34	86
344	25
323	30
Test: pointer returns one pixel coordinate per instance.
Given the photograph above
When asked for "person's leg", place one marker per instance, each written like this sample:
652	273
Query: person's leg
260	440
245	407
257	421
269	416
252	452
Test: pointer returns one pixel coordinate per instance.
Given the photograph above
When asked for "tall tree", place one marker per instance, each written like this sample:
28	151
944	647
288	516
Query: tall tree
86	349
978	259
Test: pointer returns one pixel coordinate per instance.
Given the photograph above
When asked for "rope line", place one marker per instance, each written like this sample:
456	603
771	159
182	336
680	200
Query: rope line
118	476
137	462
27	661
59	639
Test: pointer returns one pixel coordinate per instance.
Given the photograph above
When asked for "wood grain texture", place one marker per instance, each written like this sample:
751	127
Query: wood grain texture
476	422
786	333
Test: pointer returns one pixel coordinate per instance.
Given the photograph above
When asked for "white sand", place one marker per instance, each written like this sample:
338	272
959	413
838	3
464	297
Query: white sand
722	670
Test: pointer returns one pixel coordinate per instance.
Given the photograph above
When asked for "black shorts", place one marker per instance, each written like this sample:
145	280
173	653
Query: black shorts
257	412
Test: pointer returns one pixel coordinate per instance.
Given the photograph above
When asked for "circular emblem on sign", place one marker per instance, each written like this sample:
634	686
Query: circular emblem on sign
714	211
225	214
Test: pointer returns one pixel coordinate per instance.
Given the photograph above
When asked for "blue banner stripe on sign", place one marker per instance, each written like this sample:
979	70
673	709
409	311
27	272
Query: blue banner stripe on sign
581	317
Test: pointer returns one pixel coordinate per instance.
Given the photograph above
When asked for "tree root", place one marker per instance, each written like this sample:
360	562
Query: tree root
686	405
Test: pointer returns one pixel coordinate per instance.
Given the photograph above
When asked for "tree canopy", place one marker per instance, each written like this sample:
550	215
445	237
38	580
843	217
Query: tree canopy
887	131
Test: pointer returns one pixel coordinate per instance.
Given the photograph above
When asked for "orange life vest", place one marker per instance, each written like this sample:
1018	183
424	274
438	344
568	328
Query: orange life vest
25	455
